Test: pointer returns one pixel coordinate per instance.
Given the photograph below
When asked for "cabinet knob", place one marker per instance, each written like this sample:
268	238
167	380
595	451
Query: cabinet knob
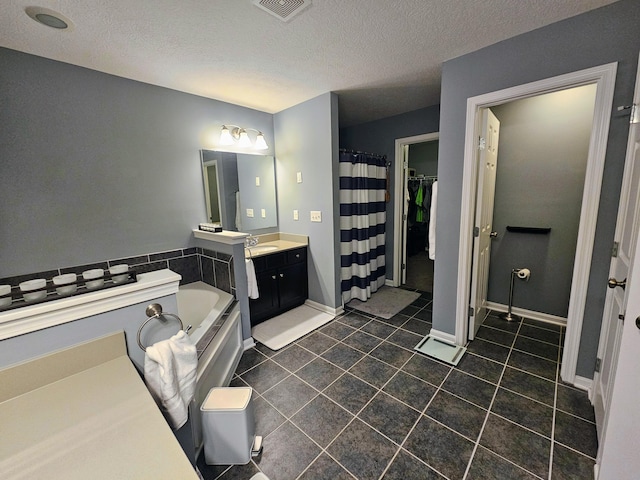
297	255
273	277
282	275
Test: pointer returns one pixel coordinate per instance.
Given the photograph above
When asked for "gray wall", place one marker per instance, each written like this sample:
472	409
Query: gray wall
380	137
96	166
598	37
306	144
424	158
542	159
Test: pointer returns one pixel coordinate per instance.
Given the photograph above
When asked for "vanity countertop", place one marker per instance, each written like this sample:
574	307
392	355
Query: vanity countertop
84	413
269	245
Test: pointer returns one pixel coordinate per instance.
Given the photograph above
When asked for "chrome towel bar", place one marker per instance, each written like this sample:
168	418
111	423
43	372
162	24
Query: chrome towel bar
154	311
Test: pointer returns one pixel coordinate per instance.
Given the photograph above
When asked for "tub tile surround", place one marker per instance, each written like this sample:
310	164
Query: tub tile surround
193	264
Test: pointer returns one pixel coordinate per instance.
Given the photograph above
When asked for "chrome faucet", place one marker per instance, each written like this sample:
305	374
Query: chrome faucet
251	241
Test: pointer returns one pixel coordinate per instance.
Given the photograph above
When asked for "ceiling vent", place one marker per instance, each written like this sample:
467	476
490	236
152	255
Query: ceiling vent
285	10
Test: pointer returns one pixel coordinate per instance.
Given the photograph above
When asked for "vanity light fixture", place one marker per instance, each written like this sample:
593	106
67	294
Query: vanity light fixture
230	134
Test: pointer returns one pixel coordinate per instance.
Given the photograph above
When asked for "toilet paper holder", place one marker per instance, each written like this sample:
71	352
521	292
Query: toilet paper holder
522	274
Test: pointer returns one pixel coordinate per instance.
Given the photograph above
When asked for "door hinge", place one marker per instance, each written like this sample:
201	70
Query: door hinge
404	217
621	317
476	231
614	250
404	266
635	114
406	164
482	143
471	312
598	364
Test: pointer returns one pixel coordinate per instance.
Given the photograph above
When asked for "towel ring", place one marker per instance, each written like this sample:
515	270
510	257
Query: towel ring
154	311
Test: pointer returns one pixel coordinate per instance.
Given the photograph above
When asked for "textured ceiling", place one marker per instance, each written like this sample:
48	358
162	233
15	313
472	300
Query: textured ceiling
382	57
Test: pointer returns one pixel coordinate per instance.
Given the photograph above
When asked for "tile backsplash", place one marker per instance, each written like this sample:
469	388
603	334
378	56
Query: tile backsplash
193	264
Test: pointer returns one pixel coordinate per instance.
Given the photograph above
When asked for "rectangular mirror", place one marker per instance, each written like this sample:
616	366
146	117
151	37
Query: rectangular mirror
240	190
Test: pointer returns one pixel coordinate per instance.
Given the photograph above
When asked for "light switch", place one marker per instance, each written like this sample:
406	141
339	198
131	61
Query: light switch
295	214
299	177
257	181
250	212
316	216
263	213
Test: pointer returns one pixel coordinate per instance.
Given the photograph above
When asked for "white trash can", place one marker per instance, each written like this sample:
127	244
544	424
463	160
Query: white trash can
228	426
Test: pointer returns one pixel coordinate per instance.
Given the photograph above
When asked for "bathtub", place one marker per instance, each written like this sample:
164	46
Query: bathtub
216	329
214	316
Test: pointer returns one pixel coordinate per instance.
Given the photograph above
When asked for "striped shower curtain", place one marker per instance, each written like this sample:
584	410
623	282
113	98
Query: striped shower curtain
362	224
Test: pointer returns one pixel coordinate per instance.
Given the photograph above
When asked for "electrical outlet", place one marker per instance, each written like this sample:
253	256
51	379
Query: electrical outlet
263	213
299	177
257	181
250	212
295	214
316	216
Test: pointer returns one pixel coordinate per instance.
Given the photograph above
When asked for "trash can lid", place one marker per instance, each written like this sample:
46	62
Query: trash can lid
227	398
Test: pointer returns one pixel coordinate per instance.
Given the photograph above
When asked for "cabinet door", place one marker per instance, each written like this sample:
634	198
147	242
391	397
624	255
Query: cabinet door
266	304
292	285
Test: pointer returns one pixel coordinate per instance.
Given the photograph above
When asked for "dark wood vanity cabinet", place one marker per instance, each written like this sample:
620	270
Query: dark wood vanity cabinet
282	283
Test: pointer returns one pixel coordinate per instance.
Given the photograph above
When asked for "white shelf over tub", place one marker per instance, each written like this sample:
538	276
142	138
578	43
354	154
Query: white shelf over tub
28	319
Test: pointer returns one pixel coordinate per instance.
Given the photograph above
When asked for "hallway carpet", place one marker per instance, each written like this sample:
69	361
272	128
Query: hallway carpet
353	400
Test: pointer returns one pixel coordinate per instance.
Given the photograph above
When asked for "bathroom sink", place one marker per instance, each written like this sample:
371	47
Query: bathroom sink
262	248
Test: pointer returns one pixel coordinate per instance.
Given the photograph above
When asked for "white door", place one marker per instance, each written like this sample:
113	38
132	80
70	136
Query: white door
617	385
405	211
488	162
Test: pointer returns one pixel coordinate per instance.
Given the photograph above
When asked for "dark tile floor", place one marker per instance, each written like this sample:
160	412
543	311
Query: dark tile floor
353	400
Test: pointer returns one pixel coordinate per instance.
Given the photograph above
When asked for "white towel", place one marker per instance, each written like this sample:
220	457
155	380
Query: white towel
170	374
252	283
238	212
432	221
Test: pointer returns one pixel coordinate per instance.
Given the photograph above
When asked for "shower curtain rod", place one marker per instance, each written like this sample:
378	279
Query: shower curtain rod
358	152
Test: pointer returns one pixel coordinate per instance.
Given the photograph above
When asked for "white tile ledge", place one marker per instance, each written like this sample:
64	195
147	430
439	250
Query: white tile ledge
28	319
226	236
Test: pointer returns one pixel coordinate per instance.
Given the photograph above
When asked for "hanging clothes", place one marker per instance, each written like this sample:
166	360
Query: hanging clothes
420	211
362	224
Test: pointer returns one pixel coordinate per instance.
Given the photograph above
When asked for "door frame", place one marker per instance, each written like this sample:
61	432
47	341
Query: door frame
399	233
604	77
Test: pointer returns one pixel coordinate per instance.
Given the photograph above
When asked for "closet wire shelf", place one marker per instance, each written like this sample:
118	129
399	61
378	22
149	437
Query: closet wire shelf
18	301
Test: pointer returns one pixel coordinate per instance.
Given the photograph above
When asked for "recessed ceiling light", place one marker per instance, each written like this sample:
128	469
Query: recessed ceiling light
49	18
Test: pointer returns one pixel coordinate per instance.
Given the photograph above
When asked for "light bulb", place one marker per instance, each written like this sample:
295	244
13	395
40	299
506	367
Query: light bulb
244	139
261	144
225	136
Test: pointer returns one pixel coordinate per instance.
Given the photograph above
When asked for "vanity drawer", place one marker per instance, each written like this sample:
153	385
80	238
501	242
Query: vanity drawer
297	255
275	260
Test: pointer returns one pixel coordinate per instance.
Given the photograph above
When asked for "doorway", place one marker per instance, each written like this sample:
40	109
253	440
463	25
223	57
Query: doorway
423	148
603	77
422	164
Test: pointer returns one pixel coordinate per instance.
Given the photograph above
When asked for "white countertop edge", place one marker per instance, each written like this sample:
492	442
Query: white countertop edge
226	236
28	319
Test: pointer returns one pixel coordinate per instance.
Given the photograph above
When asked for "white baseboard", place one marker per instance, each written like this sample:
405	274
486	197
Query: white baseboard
585	384
248	343
389	283
324	308
523	312
442	336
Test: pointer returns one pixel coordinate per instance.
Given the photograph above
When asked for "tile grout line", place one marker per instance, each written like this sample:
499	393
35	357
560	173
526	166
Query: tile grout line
495	393
555	406
422	413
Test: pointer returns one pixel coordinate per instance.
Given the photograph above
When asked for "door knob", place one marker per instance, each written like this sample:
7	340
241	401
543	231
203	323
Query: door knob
613	283
638	322
493	234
